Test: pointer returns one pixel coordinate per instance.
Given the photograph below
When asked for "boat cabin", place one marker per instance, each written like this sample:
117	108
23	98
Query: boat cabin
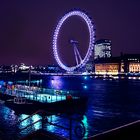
20	100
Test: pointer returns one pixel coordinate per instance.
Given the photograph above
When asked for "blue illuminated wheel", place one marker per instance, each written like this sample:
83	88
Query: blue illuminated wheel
89	24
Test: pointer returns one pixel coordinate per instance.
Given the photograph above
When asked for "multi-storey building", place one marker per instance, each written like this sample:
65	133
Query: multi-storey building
131	63
102	49
127	63
107	66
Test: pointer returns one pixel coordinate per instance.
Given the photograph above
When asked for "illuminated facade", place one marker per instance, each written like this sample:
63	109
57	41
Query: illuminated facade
107	68
131	63
134	67
127	63
102	49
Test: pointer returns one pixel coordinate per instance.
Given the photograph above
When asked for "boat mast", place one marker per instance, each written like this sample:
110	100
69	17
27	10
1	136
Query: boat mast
29	76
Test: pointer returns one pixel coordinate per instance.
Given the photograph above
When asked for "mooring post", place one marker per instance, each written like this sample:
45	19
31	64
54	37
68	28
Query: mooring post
43	119
70	127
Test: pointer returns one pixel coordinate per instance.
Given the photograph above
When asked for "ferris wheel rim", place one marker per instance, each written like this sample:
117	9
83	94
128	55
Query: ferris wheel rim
90	44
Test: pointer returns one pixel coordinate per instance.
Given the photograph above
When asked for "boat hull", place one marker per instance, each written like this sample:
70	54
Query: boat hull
66	106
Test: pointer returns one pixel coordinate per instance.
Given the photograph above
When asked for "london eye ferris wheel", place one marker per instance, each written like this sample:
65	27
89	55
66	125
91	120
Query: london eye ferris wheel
80	62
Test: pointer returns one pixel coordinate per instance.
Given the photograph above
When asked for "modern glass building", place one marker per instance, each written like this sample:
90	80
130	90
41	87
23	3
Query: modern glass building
102	49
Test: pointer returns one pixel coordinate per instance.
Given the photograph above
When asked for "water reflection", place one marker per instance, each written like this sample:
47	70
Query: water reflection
85	122
35	118
29	121
8	121
25	122
56	82
7	115
111	103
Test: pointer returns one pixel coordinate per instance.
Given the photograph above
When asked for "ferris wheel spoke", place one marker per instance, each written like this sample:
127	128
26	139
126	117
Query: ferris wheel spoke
80	58
76	58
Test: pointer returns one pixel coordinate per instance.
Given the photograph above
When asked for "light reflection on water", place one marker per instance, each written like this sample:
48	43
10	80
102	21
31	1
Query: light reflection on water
25	122
85	122
56	82
29	121
111	103
8	121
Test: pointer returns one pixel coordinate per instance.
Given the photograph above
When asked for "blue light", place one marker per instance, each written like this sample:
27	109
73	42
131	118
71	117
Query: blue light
1	82
85	122
91	39
85	87
85	77
10	83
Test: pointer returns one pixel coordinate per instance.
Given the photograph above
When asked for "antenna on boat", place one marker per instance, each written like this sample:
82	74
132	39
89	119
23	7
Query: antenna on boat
29	76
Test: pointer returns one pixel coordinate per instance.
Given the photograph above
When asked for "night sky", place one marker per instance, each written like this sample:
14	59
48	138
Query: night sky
27	26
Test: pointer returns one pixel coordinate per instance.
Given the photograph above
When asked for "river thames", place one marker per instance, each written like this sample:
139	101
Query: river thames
111	103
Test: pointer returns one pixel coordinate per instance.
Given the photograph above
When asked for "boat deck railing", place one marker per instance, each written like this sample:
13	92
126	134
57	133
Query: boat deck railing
47	119
36	95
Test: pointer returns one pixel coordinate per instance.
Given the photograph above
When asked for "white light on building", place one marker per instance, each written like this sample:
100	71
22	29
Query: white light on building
102	49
